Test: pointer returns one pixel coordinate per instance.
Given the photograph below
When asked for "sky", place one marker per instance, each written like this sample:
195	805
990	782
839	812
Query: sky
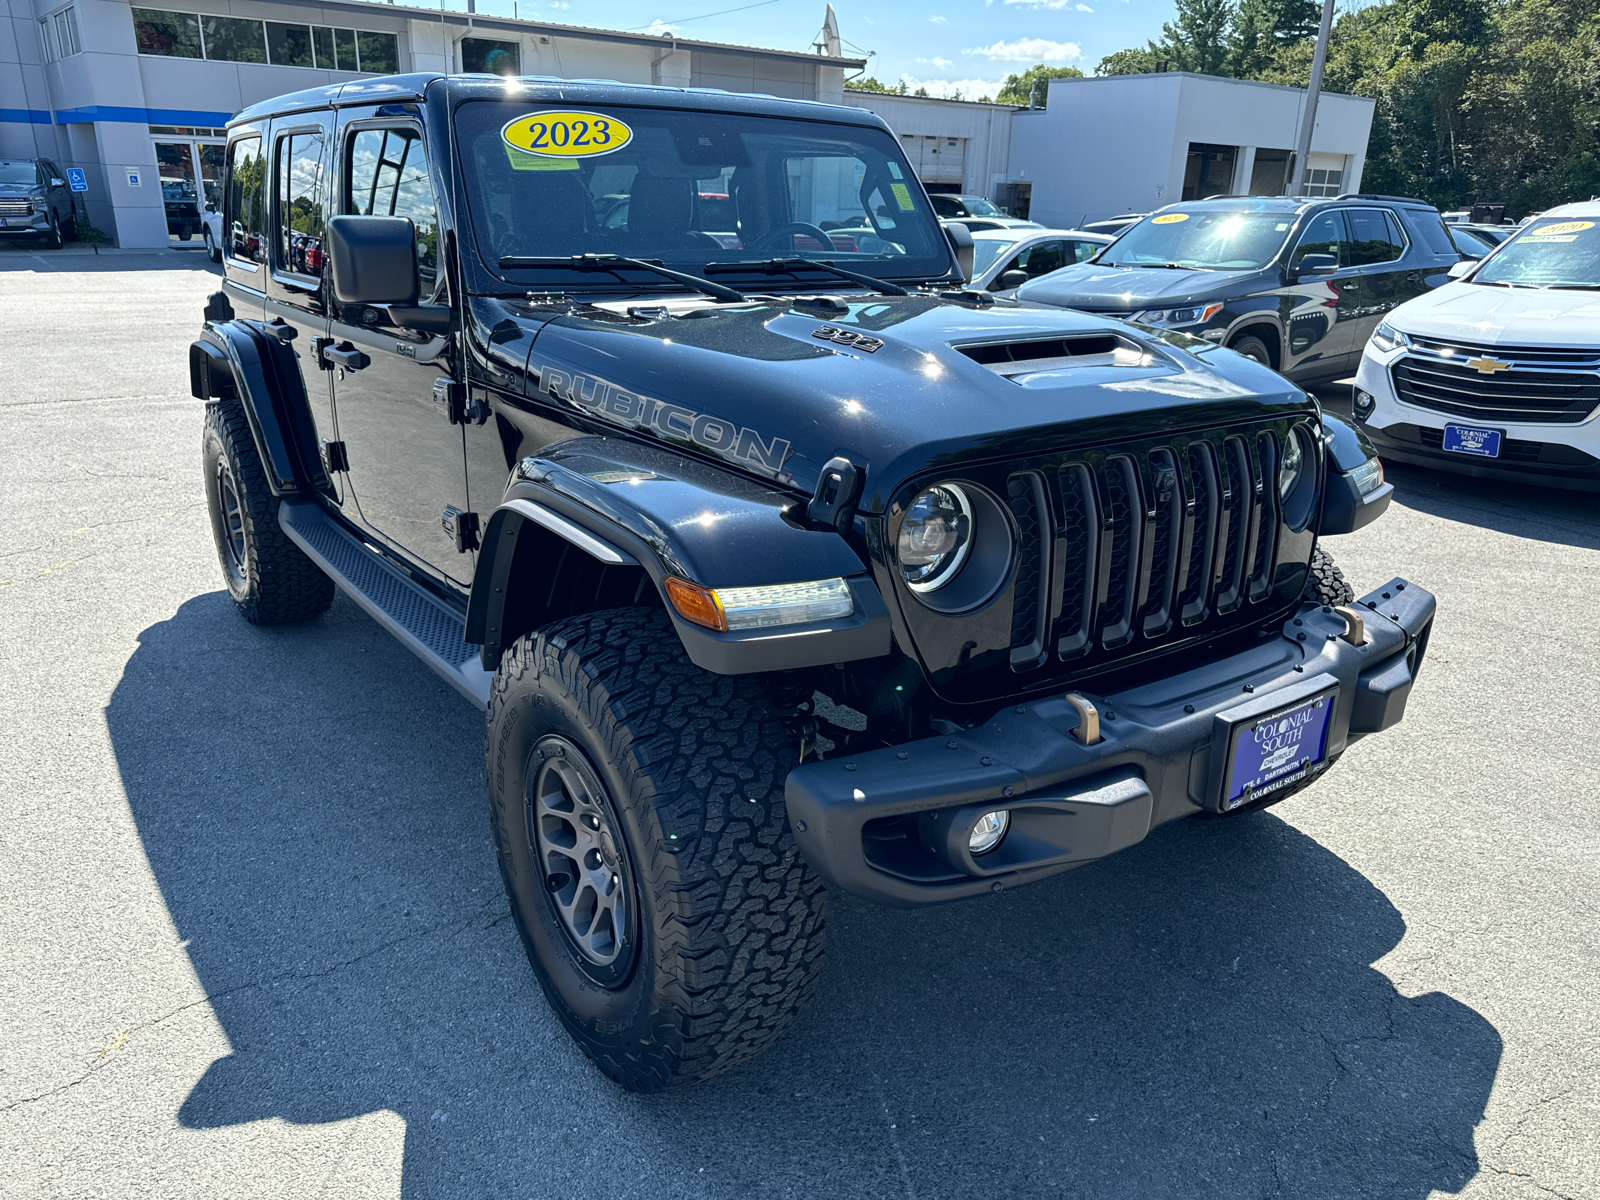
943	45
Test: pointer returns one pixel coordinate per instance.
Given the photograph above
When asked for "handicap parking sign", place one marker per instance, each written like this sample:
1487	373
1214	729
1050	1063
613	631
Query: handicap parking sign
76	179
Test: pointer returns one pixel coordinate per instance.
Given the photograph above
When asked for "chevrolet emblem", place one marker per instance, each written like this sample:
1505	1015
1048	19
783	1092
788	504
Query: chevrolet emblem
1488	366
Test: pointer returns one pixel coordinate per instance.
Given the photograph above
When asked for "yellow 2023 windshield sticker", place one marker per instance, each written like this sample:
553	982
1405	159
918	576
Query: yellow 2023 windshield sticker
566	134
1169	218
1565	230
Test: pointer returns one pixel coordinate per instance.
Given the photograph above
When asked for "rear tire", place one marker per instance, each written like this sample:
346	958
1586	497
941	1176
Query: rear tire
270	578
614	764
1253	348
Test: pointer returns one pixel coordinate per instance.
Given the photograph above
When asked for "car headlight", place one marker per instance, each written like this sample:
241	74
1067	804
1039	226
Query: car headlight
1368	477
1291	467
1193	315
935	537
1386	338
1297	479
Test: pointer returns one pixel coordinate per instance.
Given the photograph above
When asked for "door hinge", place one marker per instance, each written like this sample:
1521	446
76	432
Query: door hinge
333	454
462	528
450	398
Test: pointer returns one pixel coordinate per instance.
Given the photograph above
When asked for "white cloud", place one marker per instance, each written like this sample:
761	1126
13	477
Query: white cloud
937	20
1039	3
560	3
970	89
1084	8
660	27
943	64
1029	50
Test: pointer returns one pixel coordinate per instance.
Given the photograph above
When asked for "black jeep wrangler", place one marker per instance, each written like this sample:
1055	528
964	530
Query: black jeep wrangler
659	423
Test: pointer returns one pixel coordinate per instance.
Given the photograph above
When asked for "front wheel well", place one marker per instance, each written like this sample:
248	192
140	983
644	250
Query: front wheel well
550	578
1270	338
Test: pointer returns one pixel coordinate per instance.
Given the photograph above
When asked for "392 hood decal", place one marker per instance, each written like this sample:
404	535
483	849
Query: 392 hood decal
672	421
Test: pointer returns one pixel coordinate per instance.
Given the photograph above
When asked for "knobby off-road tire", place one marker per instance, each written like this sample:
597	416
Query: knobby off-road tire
270	579
1326	584
724	920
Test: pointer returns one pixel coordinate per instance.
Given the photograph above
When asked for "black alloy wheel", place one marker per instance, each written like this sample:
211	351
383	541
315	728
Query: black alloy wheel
1252	348
230	533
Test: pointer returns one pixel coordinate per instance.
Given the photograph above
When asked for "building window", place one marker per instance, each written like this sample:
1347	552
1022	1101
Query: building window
1209	171
485	56
59	32
1322	183
239	39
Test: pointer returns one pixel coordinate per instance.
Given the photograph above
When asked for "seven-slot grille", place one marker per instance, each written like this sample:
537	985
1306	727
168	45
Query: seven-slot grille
16	208
1542	385
1123	547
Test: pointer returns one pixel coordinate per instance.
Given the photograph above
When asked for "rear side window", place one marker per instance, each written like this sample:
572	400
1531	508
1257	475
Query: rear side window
1084	251
1428	227
1374	237
387	174
245	212
300	203
1324	235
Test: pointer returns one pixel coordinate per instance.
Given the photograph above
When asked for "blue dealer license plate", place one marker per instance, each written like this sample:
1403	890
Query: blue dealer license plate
1463	439
1271	752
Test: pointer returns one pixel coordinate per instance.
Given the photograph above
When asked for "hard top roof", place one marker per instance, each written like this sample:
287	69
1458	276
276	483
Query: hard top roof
1287	204
398	89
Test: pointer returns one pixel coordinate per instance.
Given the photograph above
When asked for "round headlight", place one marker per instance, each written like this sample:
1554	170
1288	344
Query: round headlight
986	834
1297	477
1294	462
935	537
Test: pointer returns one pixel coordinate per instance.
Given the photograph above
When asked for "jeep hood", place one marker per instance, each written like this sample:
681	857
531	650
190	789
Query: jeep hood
1086	285
765	386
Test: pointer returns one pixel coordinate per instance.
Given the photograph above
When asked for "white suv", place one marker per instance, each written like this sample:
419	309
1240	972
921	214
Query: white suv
1497	373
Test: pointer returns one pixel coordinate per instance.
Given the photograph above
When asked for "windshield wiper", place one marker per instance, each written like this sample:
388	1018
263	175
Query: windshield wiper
1506	283
611	262
1573	287
775	266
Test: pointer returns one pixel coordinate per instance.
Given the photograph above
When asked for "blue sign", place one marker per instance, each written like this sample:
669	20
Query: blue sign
1276	750
1485	443
76	179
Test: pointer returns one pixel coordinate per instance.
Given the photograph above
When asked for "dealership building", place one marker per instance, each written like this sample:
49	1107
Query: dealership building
136	97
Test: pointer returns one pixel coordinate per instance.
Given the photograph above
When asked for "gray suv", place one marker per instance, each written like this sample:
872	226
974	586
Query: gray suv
35	201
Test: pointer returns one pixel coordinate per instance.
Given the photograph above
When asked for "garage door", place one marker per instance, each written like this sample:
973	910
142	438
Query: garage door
936	158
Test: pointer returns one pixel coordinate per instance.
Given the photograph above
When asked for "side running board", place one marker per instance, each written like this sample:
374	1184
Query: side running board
426	625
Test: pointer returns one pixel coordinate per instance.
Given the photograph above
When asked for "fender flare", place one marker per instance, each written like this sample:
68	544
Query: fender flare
232	360
587	514
1344	508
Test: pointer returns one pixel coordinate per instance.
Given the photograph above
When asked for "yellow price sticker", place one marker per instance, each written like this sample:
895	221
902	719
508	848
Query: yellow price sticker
566	134
1169	218
902	195
1561	227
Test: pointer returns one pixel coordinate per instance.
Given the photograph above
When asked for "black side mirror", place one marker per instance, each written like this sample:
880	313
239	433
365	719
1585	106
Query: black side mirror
960	238
210	207
372	260
1317	264
1011	279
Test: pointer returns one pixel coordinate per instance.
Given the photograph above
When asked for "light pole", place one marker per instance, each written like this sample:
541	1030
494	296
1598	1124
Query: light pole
1302	150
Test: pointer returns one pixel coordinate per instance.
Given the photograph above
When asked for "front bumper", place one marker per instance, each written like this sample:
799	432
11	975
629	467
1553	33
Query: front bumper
37	224
863	821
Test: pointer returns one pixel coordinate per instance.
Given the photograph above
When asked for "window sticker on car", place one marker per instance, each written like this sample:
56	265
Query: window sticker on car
1562	231
521	160
902	195
894	169
1169	218
566	134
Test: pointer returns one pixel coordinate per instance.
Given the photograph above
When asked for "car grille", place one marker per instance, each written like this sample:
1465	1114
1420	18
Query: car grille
16	208
1127	551
1540	385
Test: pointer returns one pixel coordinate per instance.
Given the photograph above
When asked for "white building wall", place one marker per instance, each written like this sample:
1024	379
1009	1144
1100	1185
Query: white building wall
987	129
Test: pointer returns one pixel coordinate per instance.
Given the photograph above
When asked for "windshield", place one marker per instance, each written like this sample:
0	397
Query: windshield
987	251
690	188
18	174
1217	241
1554	254
979	207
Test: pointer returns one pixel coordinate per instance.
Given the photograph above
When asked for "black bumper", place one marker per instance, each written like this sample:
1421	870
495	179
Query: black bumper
866	821
1548	464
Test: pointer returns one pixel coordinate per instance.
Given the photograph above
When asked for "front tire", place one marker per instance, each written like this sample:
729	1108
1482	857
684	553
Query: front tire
213	251
1252	348
636	804
270	578
52	237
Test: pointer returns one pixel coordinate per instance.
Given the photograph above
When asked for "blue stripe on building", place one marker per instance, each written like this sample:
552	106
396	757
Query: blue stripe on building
140	116
25	116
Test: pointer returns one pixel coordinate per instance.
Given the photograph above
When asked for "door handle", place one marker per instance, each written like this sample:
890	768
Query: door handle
348	357
1350	285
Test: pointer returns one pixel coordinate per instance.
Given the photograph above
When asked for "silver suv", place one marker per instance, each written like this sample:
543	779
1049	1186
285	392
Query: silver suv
35	201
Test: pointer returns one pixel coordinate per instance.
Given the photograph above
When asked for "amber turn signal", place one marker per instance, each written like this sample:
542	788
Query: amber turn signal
696	603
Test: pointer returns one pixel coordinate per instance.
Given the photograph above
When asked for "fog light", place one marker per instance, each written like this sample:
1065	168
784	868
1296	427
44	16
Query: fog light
986	834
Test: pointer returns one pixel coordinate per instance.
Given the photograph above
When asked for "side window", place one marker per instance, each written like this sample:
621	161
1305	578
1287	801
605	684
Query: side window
387	176
299	196
1044	257
245	232
1373	237
1084	251
1324	235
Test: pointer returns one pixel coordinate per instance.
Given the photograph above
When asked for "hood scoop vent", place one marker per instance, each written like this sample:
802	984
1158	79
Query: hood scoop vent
1014	359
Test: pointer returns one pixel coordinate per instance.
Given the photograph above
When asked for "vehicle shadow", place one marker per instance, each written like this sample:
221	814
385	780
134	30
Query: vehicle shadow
1198	1016
1518	509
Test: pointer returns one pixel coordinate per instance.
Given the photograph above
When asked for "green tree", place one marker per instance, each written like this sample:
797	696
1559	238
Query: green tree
868	84
1017	88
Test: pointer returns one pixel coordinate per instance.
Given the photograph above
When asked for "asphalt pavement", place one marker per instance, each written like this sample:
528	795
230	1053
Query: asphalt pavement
253	943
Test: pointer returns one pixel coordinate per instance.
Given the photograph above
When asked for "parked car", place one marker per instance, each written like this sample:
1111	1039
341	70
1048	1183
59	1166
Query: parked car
1471	243
771	568
1494	374
1295	284
985	224
211	230
1495	233
947	205
1005	259
36	201
1114	226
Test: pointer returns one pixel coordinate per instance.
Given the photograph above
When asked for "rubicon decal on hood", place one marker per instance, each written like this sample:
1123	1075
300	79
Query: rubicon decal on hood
670	421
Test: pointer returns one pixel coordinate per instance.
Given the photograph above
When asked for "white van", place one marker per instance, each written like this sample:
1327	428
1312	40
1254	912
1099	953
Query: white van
1497	373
